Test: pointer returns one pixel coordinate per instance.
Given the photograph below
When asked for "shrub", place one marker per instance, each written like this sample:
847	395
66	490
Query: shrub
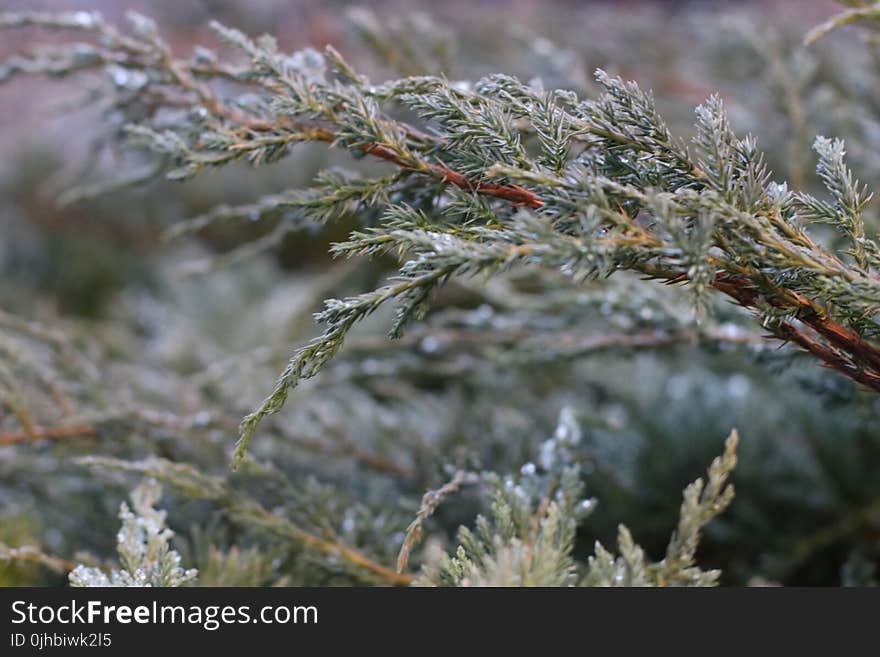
523	221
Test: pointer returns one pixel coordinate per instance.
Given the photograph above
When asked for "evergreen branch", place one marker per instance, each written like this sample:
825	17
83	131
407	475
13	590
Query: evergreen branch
526	178
848	17
143	544
247	511
849	199
703	501
340	316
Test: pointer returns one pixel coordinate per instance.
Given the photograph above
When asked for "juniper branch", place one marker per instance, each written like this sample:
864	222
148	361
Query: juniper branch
247	511
500	174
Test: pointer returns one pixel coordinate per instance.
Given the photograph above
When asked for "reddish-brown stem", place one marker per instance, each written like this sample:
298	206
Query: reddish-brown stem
831	357
841	337
861	363
39	433
514	193
860	360
329	545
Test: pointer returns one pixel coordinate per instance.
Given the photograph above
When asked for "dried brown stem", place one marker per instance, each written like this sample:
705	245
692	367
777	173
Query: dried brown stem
430	501
31	554
40	433
356	558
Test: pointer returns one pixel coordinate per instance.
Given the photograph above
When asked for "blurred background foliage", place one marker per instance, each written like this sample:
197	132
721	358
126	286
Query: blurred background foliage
157	349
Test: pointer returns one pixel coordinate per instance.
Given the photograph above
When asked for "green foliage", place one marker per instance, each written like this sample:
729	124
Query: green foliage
530	537
849	201
499	228
861	12
702	502
716	221
143	544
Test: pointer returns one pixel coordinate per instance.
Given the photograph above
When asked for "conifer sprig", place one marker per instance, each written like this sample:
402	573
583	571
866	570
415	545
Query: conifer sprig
497	174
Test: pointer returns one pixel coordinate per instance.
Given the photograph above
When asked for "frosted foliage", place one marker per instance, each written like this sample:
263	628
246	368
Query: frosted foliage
702	502
529	538
512	235
143	547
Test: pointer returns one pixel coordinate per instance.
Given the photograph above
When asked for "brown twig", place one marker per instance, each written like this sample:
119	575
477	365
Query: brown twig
430	501
282	527
513	193
862	352
39	433
861	365
31	554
